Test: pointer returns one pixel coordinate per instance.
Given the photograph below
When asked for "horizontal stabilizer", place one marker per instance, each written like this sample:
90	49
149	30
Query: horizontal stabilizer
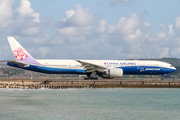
18	63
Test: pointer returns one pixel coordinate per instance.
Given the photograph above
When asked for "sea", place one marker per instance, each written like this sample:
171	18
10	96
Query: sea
90	104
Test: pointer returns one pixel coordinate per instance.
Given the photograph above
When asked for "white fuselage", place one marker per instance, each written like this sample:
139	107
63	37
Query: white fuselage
72	64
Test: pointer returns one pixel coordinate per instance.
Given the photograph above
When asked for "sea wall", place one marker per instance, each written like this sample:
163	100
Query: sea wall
79	83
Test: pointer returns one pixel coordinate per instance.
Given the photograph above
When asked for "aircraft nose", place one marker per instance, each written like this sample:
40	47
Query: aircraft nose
173	69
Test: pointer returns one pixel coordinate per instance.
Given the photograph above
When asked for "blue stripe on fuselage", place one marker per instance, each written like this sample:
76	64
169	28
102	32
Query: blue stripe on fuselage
49	70
139	70
145	70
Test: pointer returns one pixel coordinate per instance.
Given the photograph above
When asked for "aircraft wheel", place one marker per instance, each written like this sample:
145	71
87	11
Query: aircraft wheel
95	78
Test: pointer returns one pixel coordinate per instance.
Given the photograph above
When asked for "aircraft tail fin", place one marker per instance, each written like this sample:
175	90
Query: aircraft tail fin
20	54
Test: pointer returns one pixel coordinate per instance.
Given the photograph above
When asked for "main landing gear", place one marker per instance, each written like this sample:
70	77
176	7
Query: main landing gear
91	76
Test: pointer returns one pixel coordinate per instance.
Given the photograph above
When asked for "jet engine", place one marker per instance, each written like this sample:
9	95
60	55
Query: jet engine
113	73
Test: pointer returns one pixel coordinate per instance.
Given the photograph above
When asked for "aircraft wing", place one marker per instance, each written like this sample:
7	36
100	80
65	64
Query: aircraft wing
91	67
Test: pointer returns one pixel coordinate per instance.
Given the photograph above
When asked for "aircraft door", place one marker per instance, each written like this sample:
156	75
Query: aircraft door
70	65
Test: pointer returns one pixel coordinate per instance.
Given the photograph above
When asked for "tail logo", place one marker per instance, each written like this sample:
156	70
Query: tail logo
20	53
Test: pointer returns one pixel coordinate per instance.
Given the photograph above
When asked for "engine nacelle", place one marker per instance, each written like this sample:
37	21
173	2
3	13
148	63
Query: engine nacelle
114	73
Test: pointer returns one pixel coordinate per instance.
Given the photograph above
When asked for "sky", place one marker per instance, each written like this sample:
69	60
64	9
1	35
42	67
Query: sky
91	29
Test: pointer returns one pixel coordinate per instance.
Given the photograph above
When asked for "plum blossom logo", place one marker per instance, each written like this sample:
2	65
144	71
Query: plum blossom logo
104	63
20	53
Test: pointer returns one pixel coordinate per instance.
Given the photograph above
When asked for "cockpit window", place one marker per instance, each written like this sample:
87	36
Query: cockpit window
171	66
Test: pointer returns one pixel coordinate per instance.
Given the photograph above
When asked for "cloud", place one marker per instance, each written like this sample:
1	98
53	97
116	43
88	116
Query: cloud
26	10
128	25
80	17
74	31
82	34
26	20
102	26
19	18
128	38
127	30
77	23
125	26
6	13
177	24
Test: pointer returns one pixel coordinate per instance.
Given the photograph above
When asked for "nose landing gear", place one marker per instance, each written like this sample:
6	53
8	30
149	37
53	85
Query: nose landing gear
163	75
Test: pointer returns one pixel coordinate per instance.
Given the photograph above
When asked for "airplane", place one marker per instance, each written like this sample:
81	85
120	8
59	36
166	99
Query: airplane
91	68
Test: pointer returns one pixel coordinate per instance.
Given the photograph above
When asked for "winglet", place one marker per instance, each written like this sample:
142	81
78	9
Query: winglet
20	54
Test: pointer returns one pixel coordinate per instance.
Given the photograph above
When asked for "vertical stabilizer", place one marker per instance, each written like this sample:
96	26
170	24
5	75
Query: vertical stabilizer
20	54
